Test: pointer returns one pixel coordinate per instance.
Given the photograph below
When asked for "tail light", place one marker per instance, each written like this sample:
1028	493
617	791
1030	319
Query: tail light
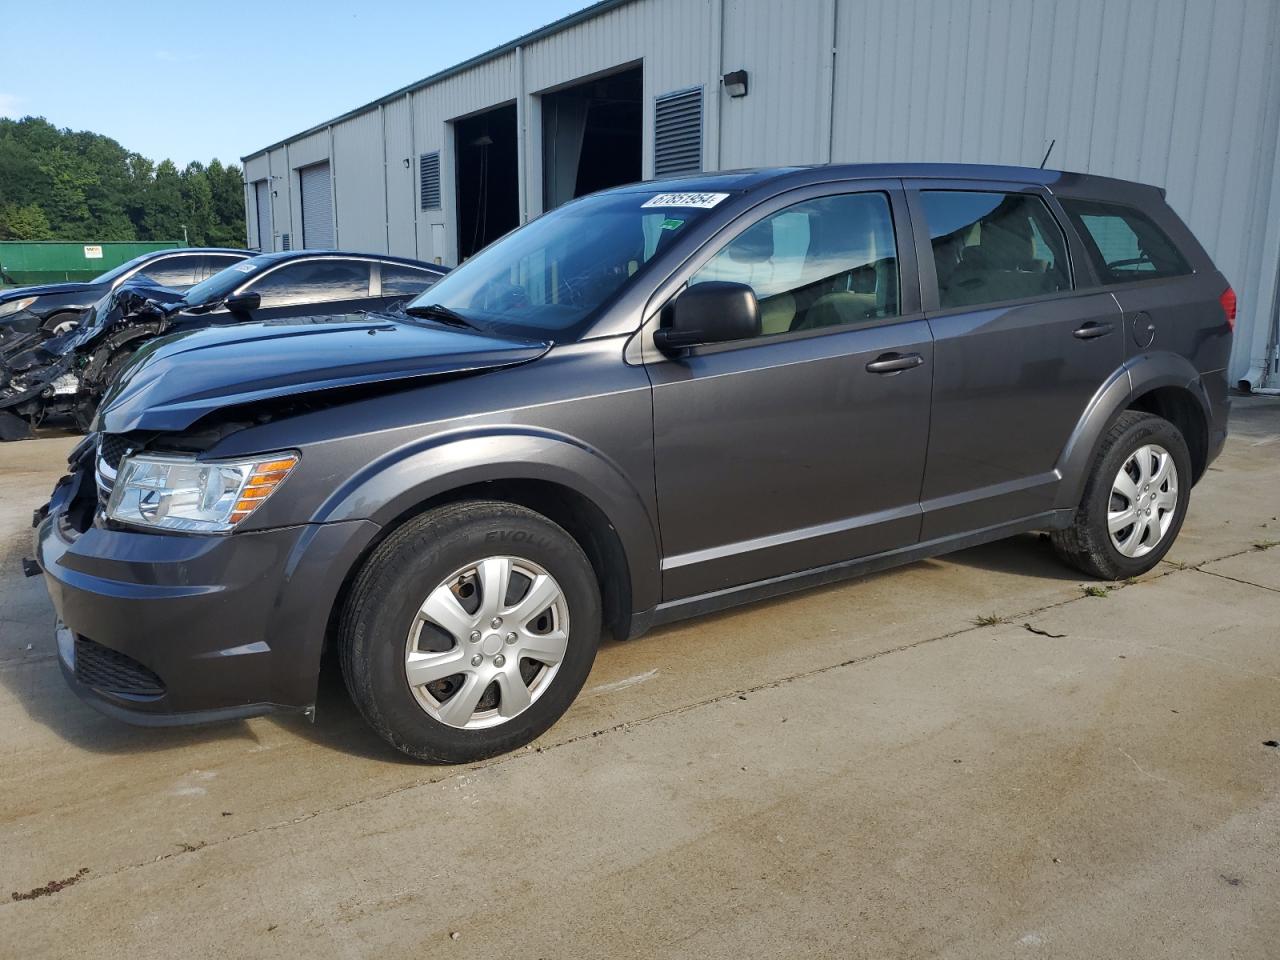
1228	301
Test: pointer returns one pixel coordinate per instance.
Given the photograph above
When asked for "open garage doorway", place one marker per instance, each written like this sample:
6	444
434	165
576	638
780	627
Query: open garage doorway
592	136
487	177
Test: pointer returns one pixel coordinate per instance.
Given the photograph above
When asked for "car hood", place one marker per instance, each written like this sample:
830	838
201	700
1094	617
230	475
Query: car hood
19	293
173	381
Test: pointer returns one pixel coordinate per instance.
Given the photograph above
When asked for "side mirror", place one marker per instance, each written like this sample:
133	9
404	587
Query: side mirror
245	302
711	312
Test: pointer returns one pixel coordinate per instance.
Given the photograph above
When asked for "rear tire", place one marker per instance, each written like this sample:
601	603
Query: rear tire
1134	501
469	631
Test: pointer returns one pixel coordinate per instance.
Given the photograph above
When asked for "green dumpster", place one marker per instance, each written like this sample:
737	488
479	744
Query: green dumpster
24	262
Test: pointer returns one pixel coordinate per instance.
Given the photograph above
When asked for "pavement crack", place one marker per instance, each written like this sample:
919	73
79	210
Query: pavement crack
189	849
1223	576
1145	772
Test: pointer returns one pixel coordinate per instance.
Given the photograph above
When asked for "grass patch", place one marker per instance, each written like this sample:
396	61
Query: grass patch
1093	590
989	620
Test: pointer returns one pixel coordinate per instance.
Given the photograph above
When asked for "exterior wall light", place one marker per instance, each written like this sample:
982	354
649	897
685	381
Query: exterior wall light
735	83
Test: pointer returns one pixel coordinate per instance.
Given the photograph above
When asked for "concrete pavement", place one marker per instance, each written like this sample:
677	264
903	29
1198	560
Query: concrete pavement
860	770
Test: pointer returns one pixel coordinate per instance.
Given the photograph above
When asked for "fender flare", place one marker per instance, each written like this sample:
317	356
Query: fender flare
1138	376
394	485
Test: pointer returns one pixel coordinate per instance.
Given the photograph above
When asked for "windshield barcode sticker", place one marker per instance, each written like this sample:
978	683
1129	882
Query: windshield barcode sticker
702	201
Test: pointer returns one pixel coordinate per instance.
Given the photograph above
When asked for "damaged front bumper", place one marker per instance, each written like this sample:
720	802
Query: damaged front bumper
160	629
57	379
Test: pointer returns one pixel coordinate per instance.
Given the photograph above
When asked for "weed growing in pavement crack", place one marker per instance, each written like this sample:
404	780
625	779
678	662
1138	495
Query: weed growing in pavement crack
989	620
1093	590
52	887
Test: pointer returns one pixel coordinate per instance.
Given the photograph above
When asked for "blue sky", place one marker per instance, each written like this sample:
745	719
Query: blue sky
192	80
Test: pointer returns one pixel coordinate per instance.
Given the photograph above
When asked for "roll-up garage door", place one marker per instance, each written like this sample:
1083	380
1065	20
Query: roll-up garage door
317	207
262	200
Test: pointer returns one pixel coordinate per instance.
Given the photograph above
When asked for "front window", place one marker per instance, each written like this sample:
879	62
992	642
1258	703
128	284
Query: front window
827	262
548	279
314	281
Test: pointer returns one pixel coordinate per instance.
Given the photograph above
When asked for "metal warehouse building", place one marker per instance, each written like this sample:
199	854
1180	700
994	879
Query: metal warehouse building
1180	93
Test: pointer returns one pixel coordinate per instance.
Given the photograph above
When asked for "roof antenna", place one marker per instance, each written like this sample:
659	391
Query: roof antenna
1047	152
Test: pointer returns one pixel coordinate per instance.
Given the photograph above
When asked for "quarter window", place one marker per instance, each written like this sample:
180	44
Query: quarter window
1124	243
993	247
821	263
314	281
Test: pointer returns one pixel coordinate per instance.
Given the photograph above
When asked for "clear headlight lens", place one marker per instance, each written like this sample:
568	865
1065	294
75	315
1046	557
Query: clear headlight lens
182	493
13	306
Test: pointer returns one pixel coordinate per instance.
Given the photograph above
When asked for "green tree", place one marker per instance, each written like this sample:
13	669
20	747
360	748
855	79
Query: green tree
78	185
163	208
24	223
227	187
197	198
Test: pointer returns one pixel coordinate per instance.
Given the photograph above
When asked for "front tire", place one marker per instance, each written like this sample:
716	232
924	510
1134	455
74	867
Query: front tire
470	631
60	323
1134	500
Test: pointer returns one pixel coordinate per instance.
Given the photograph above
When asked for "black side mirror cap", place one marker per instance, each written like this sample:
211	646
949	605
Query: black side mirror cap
243	302
713	312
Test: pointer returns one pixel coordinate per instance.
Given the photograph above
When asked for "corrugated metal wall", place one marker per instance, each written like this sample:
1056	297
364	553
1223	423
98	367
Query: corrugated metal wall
402	178
786	50
1181	93
359	185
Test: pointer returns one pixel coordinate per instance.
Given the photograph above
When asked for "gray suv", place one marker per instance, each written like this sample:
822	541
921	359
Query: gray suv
648	404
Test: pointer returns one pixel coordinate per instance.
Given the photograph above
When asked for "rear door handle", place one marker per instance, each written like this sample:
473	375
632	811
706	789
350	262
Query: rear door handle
894	362
1091	331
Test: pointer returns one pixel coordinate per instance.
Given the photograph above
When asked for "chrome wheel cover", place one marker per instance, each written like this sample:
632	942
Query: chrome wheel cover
487	642
1144	498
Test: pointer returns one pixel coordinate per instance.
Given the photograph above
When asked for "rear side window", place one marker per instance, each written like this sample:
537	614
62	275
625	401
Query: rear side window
993	247
402	281
216	263
1124	243
180	272
820	263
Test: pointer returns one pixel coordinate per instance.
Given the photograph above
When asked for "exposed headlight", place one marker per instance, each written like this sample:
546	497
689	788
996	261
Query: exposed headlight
13	306
182	493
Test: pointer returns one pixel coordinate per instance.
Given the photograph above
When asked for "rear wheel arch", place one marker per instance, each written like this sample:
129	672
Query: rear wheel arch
1166	385
1180	406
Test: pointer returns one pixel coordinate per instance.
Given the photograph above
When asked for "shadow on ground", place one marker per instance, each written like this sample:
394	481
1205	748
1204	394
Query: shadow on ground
337	724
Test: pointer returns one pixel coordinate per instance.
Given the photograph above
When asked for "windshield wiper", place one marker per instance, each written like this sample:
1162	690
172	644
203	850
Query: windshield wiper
438	311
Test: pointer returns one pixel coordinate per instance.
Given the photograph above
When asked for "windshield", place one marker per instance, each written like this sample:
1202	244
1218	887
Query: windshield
222	283
547	279
121	270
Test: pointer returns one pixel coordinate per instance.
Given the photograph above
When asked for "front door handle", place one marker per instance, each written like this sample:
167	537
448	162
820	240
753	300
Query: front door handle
894	362
1091	331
